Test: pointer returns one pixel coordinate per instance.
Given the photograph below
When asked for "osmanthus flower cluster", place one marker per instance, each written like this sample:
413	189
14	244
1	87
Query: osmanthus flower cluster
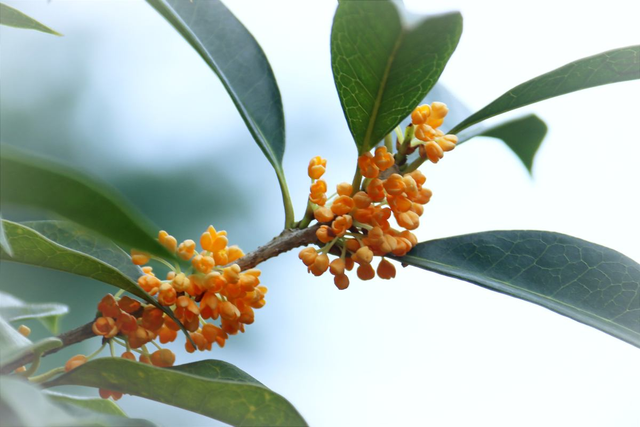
213	289
357	222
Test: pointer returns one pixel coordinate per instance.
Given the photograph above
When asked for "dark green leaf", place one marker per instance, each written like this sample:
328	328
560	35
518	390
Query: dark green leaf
590	283
222	394
614	66
13	309
24	404
103	406
383	68
71	236
216	370
14	18
523	135
30	181
234	55
31	247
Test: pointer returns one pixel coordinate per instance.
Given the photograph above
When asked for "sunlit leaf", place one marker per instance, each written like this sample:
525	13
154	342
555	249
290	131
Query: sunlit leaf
589	283
219	393
523	135
31	181
14	18
382	67
613	66
238	60
24	404
13	309
72	236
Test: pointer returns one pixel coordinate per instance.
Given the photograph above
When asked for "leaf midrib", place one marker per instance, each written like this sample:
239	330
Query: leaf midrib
381	90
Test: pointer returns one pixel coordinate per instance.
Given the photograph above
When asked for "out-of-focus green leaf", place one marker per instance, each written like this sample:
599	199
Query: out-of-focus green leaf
31	247
24	404
589	283
72	236
12	343
523	135
237	59
613	66
36	182
217	393
14	18
4	243
99	405
13	309
383	68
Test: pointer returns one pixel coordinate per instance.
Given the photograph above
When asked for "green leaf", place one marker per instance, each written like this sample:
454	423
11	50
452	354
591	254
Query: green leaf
31	247
24	404
216	393
237	59
13	309
12	343
4	243
36	182
14	18
613	66
523	135
589	283
383	68
103	406
72	236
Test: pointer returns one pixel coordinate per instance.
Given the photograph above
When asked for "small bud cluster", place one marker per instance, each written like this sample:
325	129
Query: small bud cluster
212	288
355	222
432	141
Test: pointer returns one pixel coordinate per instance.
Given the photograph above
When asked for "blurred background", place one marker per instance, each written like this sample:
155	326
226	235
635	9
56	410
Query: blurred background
123	97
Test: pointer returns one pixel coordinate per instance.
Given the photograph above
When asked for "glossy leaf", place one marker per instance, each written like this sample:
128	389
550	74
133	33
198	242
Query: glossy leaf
30	181
216	393
523	135
13	309
14	18
589	283
99	405
613	66
72	236
31	247
25	404
383	68
237	59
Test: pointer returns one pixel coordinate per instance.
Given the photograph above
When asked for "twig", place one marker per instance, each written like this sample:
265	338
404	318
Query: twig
286	241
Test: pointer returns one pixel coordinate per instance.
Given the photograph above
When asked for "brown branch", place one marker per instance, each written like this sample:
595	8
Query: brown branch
286	241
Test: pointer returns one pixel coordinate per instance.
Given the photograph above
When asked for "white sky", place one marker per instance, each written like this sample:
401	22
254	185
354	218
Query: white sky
423	349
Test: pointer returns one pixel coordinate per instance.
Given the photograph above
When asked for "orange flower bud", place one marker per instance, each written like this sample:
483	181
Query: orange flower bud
228	310
447	142
167	241
128	355
163	358
408	220
386	270
320	265
425	133
362	200
423	196
128	305
438	113
317	167
323	214
324	234
187	249
167	294
144	358
139	258
368	168
126	323
344	189
431	151
180	283
394	185
418	177
383	159
375	190
341	224
108	305
420	115
149	283
74	362
364	255
152	318
234	253
232	273
204	264
352	244
105	326
342	205
167	335
308	255
320	186
341	281
24	330
337	267
105	394
366	272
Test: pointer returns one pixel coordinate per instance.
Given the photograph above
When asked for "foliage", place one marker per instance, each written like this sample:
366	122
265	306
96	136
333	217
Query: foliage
382	71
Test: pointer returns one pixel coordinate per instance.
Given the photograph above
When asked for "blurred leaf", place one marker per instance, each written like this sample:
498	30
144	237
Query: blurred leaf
232	399
523	135
383	69
36	182
613	66
12	343
25	404
14	18
589	283
238	60
103	406
31	247
4	243
13	354
72	236
13	309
